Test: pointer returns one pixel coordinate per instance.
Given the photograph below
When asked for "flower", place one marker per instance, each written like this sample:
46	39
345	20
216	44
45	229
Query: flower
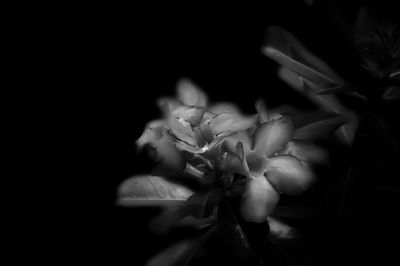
254	157
263	157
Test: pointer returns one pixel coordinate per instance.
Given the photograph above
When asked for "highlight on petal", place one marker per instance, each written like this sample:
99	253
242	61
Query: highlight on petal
220	108
227	123
243	136
161	141
181	129
305	151
151	134
272	136
190	94
145	190
263	114
191	114
259	200
289	175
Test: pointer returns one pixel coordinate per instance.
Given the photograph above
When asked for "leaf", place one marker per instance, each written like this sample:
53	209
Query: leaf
326	102
319	128
181	253
297	212
170	255
233	234
201	204
391	93
279	230
285	49
147	190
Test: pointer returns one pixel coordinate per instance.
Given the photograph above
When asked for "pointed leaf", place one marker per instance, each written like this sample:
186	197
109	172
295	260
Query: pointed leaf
319	128
327	102
189	94
285	49
296	211
183	252
146	190
280	230
391	93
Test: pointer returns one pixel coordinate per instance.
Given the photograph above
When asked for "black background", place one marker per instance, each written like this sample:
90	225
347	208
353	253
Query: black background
120	59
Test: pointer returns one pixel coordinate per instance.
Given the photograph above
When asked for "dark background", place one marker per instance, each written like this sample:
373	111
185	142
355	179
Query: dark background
122	58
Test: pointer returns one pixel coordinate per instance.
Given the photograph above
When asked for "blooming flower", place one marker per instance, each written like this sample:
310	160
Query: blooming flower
250	156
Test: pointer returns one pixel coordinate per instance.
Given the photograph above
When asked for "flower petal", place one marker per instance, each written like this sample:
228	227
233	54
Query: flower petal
220	108
181	129
146	190
288	174
258	200
162	142
227	123
270	137
189	94
192	114
305	151
231	141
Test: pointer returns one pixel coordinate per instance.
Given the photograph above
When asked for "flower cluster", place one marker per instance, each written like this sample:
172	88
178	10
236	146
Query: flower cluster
250	156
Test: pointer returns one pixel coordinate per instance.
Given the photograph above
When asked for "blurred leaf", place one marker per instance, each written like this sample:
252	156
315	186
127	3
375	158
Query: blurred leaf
295	211
145	190
203	203
280	230
285	49
391	93
233	234
319	128
181	253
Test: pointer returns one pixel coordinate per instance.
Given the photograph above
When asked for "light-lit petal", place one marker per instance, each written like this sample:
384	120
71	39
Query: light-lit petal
305	151
228	123
181	129
220	108
272	136
288	174
192	114
259	200
231	141
189	94
146	190
232	163
168	154
257	164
